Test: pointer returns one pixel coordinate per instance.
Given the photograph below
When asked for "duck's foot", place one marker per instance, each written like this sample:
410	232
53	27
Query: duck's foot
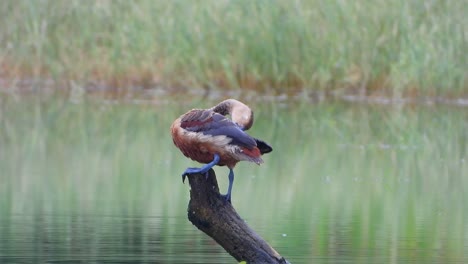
189	171
203	170
231	181
227	197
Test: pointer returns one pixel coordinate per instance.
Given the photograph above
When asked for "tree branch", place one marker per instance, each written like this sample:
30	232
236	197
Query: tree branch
216	217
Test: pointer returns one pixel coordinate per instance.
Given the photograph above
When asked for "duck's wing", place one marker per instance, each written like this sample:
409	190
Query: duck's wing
214	124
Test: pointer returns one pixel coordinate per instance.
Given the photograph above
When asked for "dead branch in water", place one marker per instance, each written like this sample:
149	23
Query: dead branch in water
216	217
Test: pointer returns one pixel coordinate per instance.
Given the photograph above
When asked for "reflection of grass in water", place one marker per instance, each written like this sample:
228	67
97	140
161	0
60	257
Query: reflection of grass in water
400	45
382	183
87	157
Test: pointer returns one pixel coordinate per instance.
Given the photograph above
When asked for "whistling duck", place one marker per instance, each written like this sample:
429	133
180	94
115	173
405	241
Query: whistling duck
208	136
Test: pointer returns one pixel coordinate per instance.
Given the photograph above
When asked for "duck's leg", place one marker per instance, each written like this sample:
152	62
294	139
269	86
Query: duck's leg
203	170
231	181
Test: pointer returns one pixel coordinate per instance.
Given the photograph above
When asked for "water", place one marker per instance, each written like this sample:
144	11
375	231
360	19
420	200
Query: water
101	238
94	182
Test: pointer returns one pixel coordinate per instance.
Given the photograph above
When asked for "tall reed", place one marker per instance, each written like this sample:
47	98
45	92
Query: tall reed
400	47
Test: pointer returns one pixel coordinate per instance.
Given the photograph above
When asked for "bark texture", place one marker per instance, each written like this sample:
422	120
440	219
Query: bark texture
216	217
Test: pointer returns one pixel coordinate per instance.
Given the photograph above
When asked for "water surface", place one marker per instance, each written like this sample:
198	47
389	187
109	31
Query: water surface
96	182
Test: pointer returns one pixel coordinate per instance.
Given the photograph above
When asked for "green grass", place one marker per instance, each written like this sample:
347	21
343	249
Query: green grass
399	48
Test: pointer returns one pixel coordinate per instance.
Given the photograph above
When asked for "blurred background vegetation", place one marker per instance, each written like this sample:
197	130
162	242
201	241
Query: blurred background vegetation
86	177
391	48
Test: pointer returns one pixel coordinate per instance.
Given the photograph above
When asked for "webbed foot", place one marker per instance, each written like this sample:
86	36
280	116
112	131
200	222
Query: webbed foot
203	170
227	197
189	171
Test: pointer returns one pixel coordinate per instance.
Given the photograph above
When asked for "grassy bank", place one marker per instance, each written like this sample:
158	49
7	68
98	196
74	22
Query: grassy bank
396	47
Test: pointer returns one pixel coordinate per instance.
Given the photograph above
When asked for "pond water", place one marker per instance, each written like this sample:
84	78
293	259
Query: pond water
99	182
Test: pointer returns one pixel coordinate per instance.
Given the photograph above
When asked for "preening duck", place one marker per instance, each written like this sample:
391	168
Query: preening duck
209	137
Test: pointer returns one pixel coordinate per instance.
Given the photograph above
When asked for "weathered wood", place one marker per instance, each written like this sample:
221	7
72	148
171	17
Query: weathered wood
216	217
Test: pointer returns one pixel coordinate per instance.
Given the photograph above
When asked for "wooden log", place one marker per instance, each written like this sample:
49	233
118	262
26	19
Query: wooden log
216	217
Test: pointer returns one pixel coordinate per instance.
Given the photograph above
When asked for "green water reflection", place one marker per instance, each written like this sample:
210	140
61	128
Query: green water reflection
100	182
